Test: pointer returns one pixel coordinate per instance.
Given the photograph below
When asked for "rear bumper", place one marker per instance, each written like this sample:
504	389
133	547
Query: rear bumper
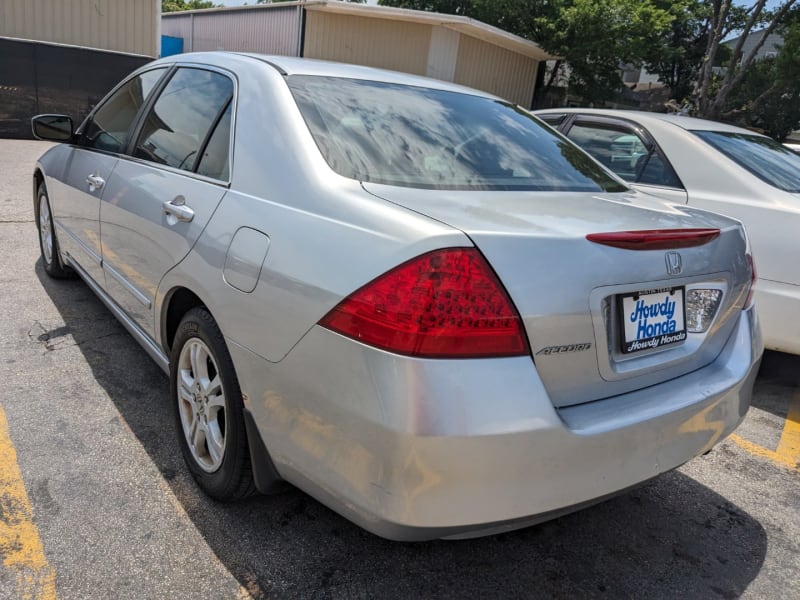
417	449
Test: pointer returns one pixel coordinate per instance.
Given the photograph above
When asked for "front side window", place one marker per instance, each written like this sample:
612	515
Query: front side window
111	123
425	138
763	157
177	129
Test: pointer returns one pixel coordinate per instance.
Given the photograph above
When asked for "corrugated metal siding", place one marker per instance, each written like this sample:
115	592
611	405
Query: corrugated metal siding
180	26
272	31
443	54
396	45
121	25
268	31
495	70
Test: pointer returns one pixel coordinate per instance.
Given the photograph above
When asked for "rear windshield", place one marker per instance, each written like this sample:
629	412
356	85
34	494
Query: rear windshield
425	138
763	157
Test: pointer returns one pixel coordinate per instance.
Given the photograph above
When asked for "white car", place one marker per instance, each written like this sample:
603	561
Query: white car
717	167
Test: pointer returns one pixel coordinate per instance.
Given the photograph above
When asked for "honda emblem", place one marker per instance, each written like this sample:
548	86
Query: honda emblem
674	263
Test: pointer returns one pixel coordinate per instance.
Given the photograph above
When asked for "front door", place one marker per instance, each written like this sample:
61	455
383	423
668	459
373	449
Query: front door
89	167
77	207
158	201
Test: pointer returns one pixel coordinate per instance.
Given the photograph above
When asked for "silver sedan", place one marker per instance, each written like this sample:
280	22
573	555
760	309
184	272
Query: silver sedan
716	167
411	300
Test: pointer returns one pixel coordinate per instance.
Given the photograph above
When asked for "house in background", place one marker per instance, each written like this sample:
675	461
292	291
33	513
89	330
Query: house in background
62	56
447	47
769	49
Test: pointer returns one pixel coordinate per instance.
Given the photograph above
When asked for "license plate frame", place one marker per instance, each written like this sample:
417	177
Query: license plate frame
648	320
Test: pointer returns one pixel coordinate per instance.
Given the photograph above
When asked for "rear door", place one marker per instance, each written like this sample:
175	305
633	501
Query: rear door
89	167
629	151
159	199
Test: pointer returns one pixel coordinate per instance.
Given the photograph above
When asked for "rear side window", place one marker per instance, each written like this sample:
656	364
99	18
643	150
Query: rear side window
657	171
424	138
111	123
624	152
762	156
180	125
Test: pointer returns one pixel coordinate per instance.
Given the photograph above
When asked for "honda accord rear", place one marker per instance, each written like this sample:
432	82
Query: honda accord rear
412	300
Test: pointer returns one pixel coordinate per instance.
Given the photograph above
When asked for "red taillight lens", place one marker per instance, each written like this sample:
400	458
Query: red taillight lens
443	304
655	239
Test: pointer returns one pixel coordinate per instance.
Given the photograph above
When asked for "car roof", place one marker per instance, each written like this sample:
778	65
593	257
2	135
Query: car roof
291	65
645	118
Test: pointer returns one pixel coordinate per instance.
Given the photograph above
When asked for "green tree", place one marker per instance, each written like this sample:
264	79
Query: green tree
596	36
278	1
768	96
448	7
713	86
675	53
593	36
178	5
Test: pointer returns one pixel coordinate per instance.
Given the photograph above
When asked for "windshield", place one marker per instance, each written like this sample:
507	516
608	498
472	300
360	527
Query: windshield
763	157
425	138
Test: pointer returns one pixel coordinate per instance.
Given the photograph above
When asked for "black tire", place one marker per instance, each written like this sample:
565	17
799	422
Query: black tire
202	419
48	243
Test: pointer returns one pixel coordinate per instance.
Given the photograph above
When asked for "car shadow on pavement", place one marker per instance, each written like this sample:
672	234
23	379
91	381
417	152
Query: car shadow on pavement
673	537
778	382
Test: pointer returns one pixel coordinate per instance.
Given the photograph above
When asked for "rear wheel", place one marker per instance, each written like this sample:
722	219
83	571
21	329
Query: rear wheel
208	409
48	243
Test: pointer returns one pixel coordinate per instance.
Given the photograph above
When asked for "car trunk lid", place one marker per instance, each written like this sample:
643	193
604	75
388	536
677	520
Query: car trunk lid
571	291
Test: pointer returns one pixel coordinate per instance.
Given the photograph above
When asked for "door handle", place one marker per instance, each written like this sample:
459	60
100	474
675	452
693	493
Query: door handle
176	210
95	182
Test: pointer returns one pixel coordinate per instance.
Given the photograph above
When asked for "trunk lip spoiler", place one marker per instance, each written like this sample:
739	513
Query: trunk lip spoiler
656	239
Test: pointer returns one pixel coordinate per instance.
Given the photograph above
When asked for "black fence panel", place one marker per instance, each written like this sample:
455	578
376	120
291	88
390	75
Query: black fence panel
36	78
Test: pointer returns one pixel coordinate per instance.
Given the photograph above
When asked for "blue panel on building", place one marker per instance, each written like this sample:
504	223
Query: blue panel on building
171	45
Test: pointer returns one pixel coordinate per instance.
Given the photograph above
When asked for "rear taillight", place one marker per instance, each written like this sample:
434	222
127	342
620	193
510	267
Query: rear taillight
443	304
655	239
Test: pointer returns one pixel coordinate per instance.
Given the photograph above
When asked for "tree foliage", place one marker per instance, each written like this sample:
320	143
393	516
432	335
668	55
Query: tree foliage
720	80
768	96
596	36
712	86
179	5
279	1
676	52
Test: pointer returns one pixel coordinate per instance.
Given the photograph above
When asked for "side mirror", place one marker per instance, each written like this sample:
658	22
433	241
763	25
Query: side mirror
54	128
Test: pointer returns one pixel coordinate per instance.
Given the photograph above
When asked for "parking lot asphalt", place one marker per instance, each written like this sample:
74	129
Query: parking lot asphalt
95	501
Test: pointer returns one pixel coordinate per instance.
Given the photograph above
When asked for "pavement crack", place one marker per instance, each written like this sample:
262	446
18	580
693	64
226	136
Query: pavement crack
3	221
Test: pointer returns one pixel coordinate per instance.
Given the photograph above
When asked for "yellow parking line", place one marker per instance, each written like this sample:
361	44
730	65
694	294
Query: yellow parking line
789	445
20	544
757	450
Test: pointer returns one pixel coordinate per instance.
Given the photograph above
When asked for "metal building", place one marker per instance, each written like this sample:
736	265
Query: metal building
447	47
62	56
130	26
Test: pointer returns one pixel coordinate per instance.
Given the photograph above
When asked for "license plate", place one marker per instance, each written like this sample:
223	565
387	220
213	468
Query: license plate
653	318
